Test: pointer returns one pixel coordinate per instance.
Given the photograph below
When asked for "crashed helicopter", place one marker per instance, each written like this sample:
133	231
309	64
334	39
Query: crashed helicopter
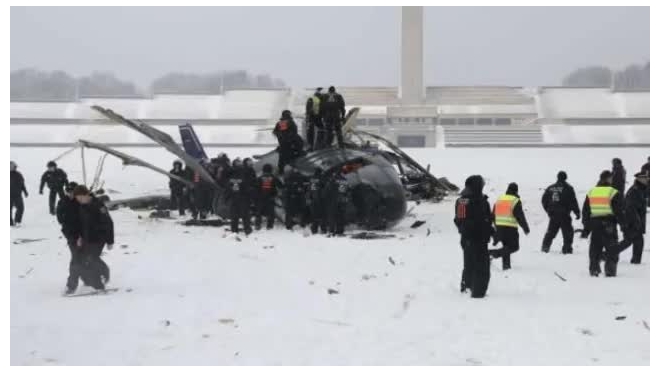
381	176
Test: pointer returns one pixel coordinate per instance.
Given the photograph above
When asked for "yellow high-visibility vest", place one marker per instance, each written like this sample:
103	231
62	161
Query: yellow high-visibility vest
316	104
504	211
600	201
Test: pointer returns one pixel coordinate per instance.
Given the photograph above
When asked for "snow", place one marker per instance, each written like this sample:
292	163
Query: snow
234	302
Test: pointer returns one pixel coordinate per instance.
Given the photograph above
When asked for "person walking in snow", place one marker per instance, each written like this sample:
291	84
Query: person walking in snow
473	219
508	215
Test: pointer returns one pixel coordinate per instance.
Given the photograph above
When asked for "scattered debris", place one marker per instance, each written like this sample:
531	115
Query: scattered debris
367	277
160	214
129	289
204	223
269	247
620	318
560	277
428	231
235	354
586	331
226	321
646	325
123	246
166	322
418	223
371	236
389	258
332	291
311	282
186	231
26	273
20	241
205	336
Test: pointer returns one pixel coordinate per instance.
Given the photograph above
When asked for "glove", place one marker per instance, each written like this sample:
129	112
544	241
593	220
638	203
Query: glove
110	246
526	232
26	194
41	192
577	216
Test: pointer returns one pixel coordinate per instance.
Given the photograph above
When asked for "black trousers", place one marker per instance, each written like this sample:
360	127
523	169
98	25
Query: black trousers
476	267
318	216
59	192
336	218
294	208
239	209
16	201
637	242
564	223
86	264
333	127
510	244
178	200
603	246
265	208
202	197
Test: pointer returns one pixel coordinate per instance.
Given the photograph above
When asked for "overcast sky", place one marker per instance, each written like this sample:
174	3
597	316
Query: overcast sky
312	46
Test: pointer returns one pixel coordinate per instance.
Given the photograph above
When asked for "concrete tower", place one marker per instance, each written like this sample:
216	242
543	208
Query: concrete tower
412	55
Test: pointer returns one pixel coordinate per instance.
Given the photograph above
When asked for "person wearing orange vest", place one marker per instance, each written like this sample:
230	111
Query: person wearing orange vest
508	215
601	212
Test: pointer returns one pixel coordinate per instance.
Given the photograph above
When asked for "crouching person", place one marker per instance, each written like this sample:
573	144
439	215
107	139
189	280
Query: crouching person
97	230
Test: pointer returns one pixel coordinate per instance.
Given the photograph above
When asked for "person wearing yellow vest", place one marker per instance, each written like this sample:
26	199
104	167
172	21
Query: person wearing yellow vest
313	123
508	215
601	212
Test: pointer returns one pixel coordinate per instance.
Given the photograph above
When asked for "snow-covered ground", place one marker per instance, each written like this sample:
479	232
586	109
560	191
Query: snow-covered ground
199	298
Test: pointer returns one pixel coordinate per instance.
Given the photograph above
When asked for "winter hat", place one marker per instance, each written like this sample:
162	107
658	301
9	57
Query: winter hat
80	190
605	174
561	176
70	187
512	188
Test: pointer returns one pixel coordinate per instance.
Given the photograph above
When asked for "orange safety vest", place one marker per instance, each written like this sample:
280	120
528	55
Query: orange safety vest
504	211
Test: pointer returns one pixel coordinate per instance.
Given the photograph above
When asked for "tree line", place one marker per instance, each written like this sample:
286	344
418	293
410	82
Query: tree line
633	77
33	84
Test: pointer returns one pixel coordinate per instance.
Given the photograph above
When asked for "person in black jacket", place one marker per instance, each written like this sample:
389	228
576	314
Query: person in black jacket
16	191
634	227
177	189
56	179
267	187
333	110
646	168
315	199
251	179
97	230
601	212
474	222
337	195
294	203
68	215
238	189
508	214
558	202
618	176
290	144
